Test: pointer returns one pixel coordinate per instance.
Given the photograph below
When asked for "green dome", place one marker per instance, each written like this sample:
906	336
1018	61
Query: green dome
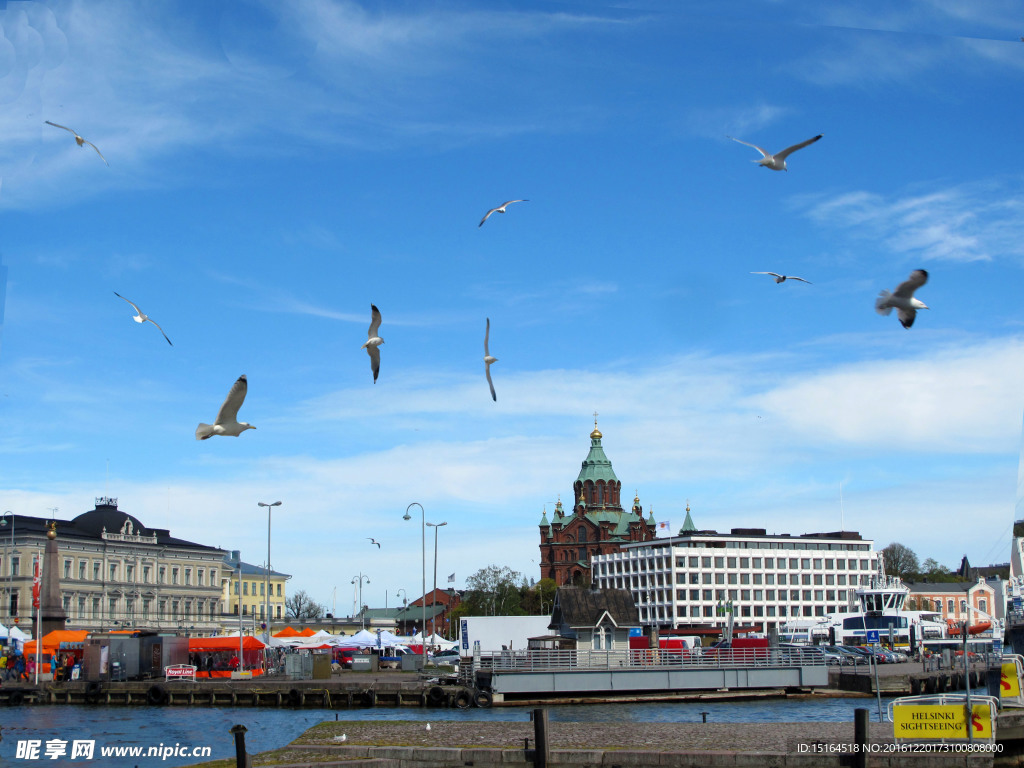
596	466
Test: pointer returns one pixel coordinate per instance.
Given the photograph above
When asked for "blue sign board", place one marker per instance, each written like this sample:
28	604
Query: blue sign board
465	635
872	635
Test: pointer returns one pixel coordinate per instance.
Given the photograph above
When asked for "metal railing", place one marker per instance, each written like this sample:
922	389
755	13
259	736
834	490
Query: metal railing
653	658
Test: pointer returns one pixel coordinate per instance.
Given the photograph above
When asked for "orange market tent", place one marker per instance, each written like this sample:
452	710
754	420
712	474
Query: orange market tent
213	644
52	640
288	632
225	647
307	632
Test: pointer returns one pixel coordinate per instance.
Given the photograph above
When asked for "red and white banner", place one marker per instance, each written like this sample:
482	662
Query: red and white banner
36	581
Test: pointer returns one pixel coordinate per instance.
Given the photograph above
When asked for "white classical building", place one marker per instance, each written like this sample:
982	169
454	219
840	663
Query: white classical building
115	573
693	579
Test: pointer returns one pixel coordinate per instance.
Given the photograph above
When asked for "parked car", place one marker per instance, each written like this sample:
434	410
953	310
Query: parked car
834	656
452	654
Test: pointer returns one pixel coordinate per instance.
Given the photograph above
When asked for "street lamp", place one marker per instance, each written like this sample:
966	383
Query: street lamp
359	579
405	596
266	575
423	531
7	559
433	595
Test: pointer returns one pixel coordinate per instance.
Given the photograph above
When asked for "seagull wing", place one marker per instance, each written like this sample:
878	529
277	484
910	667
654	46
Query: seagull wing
134	305
789	150
773	274
763	152
906	289
487	335
487	216
509	202
159	329
229	410
374	354
907	316
374	322
490	383
97	151
64	127
794	277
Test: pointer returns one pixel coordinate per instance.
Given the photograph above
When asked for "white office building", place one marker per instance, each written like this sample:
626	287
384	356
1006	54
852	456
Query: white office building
695	578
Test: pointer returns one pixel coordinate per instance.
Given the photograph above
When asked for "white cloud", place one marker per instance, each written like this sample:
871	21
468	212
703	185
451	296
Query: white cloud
968	222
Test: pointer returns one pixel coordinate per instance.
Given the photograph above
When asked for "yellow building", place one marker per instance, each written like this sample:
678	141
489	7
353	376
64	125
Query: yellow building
249	588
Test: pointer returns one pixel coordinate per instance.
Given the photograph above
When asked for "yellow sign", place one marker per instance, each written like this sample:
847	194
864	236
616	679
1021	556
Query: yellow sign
941	721
1009	685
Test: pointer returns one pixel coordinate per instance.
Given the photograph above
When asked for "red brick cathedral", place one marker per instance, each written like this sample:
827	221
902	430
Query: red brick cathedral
597	524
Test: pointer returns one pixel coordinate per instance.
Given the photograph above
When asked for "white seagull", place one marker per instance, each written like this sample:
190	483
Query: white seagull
80	141
500	209
142	317
777	162
902	299
488	359
783	278
373	342
227	422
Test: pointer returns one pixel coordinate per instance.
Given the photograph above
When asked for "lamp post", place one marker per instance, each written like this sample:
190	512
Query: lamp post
359	580
266	575
433	595
423	531
7	560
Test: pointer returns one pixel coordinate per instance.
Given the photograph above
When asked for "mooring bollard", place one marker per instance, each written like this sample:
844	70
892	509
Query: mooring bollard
860	737
540	738
704	716
241	760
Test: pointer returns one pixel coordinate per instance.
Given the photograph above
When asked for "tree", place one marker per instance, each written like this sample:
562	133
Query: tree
493	591
301	606
935	572
538	599
901	561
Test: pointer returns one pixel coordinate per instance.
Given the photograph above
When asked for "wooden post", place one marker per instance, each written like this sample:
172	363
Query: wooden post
239	733
540	738
860	737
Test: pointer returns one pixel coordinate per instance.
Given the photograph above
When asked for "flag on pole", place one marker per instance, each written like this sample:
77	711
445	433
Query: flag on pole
36	581
665	525
451	579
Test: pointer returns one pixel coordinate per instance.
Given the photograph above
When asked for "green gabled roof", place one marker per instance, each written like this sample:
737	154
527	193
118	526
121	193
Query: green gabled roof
596	466
544	518
688	526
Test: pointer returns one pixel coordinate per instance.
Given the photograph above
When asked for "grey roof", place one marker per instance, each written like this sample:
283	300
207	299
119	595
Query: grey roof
935	587
248	569
580	607
90	525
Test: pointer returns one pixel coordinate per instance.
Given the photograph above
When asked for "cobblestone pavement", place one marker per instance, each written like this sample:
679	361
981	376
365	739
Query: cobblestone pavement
739	737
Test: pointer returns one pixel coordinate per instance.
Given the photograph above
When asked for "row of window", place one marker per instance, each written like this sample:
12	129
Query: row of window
245	588
178	574
606	565
129	608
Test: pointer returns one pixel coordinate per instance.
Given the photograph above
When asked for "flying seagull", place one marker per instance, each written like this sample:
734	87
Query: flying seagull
777	162
373	342
783	278
902	299
488	359
374	541
80	141
500	209
142	317
227	422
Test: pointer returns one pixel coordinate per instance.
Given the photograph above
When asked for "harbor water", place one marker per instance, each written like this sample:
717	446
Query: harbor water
270	728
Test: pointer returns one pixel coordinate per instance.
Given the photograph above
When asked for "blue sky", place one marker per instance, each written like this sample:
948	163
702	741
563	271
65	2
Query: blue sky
276	168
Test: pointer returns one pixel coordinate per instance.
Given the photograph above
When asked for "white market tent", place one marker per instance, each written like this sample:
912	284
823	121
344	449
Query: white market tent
434	641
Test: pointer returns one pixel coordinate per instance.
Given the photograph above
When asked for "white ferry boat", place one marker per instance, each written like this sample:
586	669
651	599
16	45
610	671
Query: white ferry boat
879	608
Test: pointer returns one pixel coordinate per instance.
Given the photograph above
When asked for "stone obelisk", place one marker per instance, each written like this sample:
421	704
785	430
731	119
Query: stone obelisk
51	607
